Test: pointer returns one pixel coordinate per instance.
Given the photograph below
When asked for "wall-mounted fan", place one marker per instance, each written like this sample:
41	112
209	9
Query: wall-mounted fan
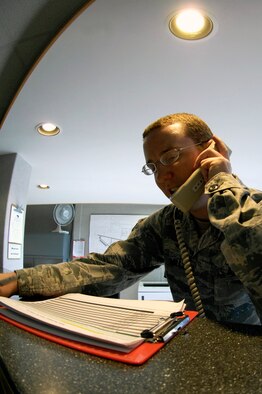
63	215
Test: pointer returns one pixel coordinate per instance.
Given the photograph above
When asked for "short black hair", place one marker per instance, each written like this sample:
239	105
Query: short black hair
196	128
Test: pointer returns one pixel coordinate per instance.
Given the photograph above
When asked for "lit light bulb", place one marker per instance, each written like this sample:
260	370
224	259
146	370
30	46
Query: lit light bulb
48	126
48	129
190	24
190	21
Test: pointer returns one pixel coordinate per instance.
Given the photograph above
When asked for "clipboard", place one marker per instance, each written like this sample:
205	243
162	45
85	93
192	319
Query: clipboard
137	356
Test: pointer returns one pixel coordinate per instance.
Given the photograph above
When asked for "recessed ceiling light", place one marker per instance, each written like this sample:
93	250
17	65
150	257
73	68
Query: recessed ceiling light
190	24
43	186
48	129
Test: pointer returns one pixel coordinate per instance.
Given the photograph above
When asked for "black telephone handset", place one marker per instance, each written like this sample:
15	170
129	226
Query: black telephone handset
188	193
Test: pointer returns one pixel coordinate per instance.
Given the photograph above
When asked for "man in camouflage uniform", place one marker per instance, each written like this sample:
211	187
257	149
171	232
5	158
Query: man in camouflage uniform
221	234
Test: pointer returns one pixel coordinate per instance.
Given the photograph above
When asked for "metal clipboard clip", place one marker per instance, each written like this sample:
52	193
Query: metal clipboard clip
167	328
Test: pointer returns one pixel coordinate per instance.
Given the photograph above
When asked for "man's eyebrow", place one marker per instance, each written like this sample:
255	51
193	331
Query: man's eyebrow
163	152
168	149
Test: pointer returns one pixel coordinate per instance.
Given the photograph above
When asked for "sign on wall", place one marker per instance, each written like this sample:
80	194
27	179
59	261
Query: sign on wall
16	233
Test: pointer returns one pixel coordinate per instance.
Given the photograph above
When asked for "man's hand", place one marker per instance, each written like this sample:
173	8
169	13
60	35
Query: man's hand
8	284
212	161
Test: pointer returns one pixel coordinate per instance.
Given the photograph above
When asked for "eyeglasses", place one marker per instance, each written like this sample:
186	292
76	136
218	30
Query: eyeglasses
168	158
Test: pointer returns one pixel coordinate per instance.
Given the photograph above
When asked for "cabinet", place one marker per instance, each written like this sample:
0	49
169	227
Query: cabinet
46	248
154	291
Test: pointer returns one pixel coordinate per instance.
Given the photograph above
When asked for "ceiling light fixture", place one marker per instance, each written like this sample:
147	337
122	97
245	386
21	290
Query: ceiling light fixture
190	24
43	186
48	129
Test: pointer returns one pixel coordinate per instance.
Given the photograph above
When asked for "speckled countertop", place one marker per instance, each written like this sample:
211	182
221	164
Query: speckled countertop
207	358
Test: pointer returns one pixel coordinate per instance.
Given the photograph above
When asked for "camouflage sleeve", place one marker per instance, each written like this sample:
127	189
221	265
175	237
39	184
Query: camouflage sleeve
119	267
237	211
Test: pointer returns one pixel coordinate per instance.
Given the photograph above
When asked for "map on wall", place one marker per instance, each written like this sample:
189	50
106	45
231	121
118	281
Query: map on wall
107	229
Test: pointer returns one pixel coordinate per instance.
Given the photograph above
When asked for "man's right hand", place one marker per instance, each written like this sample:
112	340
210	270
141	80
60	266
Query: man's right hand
212	161
11	287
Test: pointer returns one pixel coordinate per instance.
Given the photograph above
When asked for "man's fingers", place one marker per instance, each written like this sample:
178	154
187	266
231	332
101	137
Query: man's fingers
222	147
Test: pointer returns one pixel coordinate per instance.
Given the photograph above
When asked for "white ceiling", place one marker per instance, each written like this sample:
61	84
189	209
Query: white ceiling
116	69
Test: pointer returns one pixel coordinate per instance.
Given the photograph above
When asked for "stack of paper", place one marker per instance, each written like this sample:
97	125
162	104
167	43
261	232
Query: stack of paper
111	323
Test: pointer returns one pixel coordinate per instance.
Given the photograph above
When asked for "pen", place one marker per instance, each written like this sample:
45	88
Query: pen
165	336
160	331
158	328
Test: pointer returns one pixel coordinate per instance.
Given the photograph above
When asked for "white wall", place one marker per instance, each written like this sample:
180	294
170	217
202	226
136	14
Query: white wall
14	180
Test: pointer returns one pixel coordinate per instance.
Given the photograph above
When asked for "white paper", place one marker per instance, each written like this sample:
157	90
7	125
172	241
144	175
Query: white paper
72	313
16	226
14	251
78	248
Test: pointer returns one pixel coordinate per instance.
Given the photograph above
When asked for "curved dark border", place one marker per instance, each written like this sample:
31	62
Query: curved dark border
59	15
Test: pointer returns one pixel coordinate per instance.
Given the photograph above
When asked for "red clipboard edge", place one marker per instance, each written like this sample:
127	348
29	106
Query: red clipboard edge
138	356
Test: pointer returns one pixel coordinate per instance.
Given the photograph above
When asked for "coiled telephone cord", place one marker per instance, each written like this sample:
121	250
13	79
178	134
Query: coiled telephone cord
188	269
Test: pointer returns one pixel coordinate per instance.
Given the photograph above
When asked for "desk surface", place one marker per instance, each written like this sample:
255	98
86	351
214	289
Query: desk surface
207	358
